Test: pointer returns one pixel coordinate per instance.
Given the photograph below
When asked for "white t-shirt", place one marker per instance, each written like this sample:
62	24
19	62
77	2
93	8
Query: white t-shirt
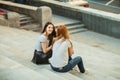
60	53
41	39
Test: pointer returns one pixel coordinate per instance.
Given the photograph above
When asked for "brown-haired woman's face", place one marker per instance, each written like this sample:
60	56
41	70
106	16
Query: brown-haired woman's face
49	29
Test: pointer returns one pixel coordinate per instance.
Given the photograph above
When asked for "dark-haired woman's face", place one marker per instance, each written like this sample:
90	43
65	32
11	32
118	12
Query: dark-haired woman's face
49	29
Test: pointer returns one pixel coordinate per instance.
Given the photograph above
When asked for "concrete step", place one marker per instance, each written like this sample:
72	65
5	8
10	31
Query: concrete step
73	23
74	31
25	20
51	75
18	45
74	26
23	57
60	20
34	27
11	70
28	23
78	26
57	75
22	16
35	71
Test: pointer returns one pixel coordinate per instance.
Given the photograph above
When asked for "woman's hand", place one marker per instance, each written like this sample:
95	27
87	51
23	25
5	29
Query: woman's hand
45	48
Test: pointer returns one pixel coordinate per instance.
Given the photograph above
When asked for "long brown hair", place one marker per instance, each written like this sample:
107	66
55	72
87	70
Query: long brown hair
62	30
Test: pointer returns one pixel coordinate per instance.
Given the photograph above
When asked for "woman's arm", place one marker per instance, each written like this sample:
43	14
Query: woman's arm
44	45
70	50
45	48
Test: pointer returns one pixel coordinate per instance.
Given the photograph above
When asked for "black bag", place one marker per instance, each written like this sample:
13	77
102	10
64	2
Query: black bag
41	54
41	58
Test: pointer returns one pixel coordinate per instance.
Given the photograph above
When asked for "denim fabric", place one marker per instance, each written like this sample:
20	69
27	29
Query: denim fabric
64	0
71	64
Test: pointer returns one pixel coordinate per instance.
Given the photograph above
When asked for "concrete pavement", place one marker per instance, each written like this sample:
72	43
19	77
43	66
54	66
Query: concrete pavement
18	45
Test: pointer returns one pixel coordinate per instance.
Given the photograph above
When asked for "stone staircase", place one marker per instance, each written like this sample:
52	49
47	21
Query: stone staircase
25	19
10	69
28	23
16	55
16	52
76	27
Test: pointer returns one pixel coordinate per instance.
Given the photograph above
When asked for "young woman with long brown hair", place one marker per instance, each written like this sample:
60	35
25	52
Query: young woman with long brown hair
62	52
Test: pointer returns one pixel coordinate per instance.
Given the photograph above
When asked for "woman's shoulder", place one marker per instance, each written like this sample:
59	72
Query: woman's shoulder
68	40
42	37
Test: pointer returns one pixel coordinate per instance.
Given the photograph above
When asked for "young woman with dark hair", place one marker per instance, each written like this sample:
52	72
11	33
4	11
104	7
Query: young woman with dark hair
43	48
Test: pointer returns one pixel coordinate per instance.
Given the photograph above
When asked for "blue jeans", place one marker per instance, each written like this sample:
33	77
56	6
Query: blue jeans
64	0
71	64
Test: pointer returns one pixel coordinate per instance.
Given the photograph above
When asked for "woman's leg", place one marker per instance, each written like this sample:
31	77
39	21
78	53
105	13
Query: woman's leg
77	61
72	63
80	65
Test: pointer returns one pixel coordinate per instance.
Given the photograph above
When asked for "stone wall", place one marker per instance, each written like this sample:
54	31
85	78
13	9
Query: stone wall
41	14
12	19
102	22
60	8
3	21
96	20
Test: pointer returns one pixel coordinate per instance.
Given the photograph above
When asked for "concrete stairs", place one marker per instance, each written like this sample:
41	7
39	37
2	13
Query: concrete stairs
74	26
60	76
11	70
25	19
15	58
28	23
17	46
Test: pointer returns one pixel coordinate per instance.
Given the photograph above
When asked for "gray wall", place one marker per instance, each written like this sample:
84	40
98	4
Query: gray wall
41	14
102	25
96	20
60	8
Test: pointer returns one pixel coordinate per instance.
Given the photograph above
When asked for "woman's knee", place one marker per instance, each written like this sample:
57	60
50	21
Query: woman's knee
79	58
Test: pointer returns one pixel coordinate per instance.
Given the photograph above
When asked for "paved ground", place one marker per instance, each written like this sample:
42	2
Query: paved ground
100	53
101	41
91	38
114	3
18	45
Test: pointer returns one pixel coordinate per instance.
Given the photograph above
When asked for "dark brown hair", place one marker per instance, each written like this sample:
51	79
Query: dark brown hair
53	34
